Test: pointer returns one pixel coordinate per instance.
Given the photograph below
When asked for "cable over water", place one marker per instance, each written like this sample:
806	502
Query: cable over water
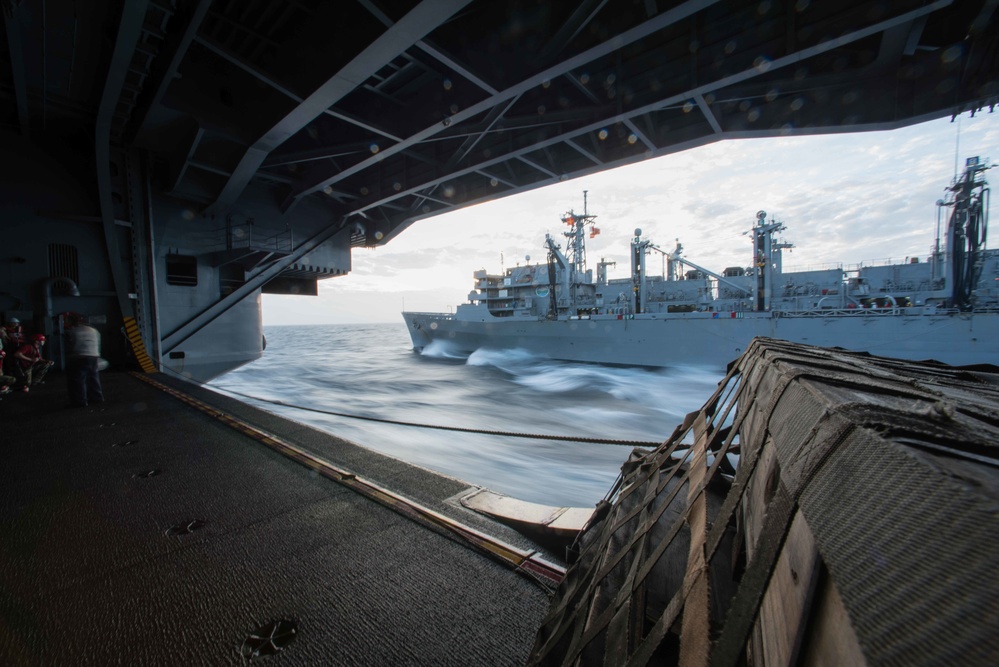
440	427
543	431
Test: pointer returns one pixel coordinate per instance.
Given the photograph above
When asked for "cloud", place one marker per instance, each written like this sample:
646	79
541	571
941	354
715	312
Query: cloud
845	198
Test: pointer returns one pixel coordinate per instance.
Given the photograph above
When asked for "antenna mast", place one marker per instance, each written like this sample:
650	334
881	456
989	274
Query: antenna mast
576	246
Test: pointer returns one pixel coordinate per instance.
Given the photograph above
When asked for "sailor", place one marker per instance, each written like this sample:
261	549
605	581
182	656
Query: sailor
83	382
6	381
15	332
11	338
32	365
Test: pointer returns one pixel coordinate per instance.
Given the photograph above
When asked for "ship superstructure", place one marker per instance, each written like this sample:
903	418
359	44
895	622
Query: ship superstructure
944	306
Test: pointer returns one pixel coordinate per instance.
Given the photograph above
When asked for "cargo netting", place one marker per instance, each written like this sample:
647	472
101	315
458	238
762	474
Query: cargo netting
820	505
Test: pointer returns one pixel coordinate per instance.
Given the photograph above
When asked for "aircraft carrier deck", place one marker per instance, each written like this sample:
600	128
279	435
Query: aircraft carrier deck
96	567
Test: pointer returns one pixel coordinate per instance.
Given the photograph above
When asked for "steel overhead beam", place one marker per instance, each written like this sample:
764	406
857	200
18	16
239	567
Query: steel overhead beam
245	66
687	95
664	20
679	98
537	166
232	58
491	177
702	104
423	194
581	17
195	140
361	124
893	45
454	66
635	130
496	113
281	158
915	34
582	151
419	22
246	31
582	88
804	54
427	197
430	50
175	49
12	25
391	98
129	30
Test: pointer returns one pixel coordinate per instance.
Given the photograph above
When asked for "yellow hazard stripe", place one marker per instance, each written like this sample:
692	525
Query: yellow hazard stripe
515	557
138	347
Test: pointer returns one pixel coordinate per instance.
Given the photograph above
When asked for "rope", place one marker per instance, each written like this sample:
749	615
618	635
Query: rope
530	564
506	434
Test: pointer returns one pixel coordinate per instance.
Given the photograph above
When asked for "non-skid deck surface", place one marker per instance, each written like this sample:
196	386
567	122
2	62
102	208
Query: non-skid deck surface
90	575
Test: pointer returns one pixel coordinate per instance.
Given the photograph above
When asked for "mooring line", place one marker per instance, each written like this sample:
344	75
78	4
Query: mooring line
461	429
529	563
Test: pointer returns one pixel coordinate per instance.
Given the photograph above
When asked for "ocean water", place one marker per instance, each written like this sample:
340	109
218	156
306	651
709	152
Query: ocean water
372	371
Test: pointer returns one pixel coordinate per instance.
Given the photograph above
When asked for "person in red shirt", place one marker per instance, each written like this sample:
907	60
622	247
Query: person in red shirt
32	365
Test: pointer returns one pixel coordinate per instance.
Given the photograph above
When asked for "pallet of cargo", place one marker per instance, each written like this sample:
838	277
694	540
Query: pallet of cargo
856	525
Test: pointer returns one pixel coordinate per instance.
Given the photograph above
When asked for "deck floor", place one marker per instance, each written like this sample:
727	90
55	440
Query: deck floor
89	575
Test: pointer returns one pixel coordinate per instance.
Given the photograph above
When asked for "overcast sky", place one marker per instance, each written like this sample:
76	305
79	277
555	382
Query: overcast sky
845	198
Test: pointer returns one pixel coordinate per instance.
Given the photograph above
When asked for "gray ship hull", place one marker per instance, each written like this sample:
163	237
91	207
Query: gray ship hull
945	308
714	339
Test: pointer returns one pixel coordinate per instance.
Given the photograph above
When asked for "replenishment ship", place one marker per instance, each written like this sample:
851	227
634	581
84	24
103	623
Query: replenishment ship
944	307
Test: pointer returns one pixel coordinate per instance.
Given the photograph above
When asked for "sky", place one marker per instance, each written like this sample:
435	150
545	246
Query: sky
844	198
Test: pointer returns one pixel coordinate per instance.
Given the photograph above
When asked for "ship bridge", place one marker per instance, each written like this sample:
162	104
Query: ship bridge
172	159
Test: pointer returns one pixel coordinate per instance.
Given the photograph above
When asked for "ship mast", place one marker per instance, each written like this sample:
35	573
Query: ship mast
573	263
576	247
766	258
967	231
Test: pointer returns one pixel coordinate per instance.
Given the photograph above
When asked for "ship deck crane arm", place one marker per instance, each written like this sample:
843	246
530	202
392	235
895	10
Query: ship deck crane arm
675	256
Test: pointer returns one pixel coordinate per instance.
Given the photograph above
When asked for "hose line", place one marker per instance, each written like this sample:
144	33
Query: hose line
506	434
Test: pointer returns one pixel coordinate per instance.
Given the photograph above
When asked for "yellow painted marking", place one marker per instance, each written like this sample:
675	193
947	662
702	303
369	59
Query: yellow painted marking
505	552
138	347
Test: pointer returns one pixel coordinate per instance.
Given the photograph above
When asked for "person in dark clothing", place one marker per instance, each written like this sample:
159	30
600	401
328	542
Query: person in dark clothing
83	382
11	337
6	381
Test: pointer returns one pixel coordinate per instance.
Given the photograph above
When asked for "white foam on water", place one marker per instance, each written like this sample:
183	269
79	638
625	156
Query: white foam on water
371	371
442	349
509	360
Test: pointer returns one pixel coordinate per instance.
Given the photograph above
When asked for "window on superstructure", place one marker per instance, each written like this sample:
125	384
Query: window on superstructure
63	262
182	270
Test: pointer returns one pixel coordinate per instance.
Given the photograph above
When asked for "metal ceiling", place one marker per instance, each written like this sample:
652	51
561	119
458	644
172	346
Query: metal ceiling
382	112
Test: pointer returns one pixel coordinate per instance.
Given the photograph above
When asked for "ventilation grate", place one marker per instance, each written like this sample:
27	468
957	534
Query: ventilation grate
63	262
